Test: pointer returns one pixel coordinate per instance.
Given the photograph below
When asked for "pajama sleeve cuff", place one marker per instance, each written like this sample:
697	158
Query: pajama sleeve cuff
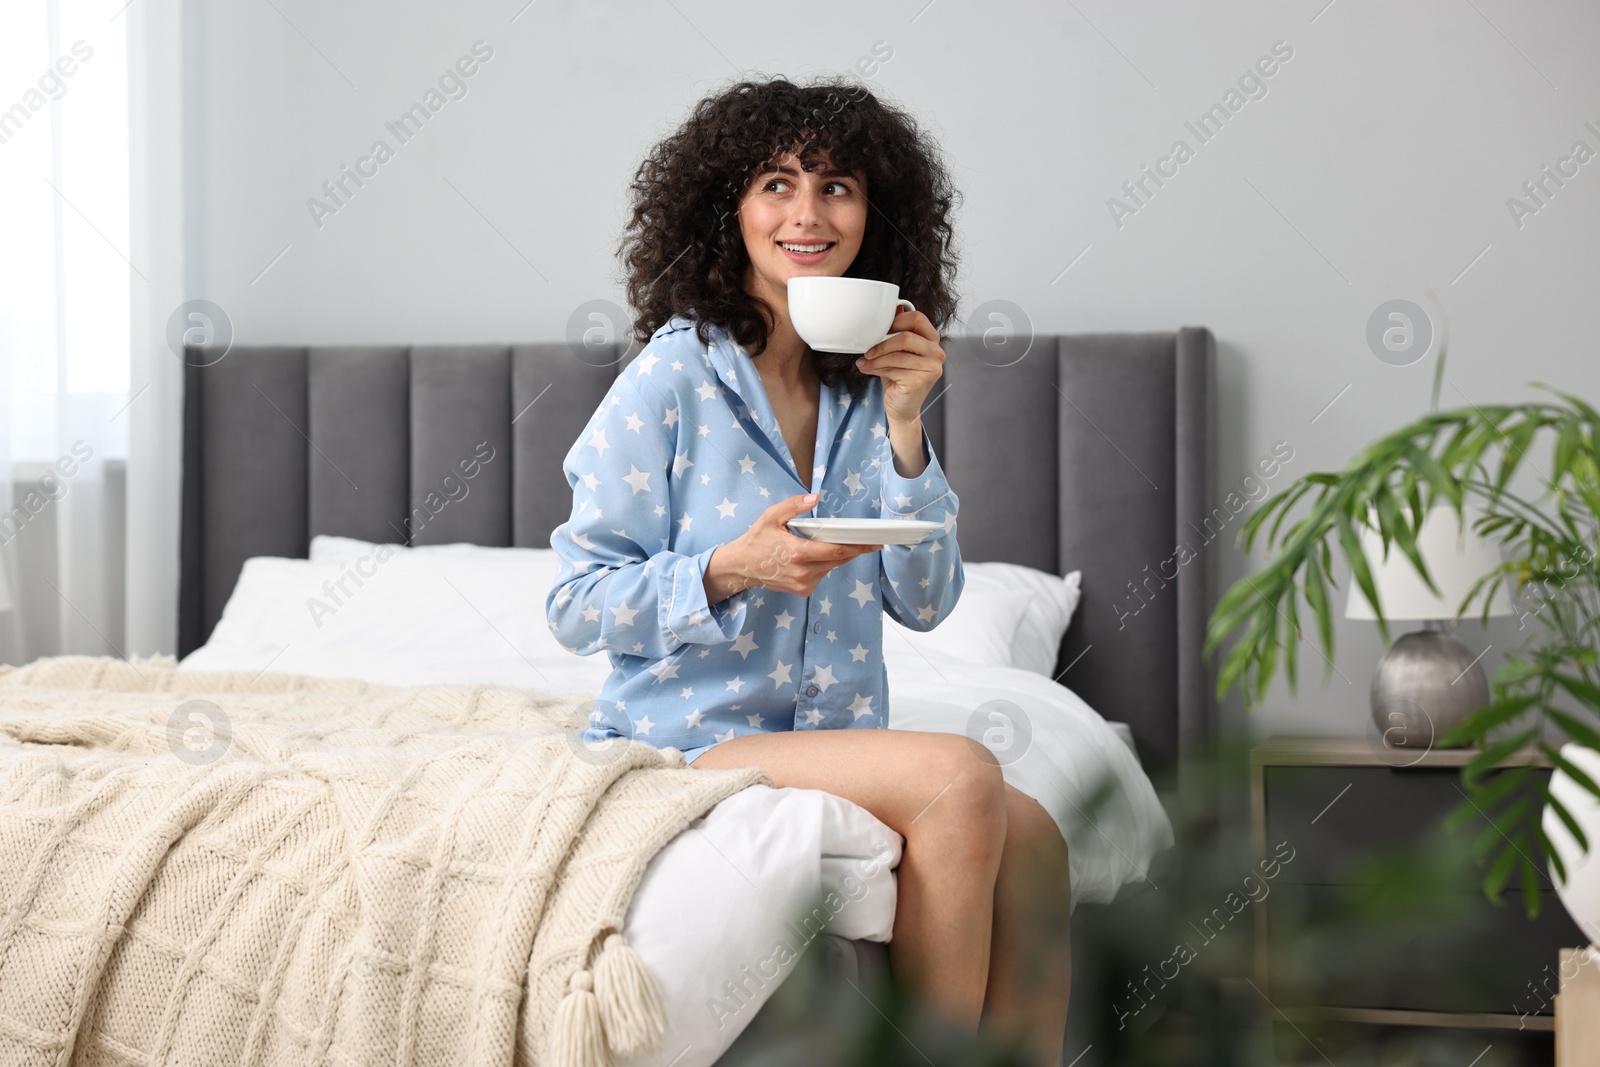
908	498
690	617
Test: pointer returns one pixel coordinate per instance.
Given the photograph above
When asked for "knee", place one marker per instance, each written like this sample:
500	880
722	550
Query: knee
971	793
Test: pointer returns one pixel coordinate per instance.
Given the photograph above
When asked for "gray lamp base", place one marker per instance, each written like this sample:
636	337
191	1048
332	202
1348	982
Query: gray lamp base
1427	683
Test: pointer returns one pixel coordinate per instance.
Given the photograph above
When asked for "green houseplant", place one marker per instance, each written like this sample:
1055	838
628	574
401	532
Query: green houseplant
1550	685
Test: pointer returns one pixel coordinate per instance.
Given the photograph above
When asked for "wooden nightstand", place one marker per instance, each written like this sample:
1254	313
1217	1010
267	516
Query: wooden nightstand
1337	800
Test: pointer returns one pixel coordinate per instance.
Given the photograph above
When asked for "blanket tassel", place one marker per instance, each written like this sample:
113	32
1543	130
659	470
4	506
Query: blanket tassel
576	1038
630	1004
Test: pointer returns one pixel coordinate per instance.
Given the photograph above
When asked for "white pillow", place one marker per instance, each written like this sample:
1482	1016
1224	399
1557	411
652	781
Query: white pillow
400	618
1008	616
325	548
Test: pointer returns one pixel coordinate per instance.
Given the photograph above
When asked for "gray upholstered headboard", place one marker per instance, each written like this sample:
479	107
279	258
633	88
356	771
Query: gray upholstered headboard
1092	452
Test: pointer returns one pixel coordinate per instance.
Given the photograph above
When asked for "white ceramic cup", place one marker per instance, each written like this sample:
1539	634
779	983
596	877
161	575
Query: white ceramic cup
843	314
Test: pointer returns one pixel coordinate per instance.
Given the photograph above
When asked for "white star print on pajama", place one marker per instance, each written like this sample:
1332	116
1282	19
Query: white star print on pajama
683	455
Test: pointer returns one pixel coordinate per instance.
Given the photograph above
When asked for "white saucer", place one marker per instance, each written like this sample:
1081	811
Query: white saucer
840	531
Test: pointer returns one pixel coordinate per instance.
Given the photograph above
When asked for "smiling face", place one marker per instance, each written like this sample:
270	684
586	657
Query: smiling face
797	223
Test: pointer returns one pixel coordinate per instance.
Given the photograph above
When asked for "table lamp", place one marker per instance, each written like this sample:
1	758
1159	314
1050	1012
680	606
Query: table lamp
1428	681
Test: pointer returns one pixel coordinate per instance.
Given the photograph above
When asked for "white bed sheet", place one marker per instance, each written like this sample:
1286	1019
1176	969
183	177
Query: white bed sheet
716	900
723	911
1068	752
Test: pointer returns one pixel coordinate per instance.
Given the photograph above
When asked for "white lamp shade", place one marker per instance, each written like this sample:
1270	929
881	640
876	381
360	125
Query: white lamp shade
1456	559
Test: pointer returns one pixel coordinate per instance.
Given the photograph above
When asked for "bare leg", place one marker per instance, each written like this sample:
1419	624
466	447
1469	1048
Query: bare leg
1030	969
941	792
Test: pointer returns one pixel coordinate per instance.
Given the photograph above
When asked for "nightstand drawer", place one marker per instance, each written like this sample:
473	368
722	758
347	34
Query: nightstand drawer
1467	955
1335	817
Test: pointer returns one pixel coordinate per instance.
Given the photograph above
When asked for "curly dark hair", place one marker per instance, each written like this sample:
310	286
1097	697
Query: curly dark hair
683	248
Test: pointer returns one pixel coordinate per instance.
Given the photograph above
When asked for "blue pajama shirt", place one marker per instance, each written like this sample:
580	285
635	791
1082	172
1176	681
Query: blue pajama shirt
683	455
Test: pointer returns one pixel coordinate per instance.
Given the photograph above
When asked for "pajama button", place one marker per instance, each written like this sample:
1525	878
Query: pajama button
811	690
816	627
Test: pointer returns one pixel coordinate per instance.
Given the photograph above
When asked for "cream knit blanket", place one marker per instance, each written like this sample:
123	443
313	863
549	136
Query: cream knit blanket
213	868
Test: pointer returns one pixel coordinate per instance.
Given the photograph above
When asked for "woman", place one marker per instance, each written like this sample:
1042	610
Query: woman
732	638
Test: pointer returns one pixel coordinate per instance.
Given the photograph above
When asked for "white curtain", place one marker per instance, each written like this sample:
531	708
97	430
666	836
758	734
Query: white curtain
67	277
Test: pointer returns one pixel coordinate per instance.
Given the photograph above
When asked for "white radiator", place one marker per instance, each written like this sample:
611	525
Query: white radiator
65	541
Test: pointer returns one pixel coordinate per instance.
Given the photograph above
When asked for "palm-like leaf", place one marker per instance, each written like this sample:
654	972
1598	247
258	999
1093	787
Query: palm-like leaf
1468	456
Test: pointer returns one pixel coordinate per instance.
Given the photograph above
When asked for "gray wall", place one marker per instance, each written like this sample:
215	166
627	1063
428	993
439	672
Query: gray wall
1377	166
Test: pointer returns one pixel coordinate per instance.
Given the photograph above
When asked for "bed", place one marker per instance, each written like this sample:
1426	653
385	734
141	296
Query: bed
301	463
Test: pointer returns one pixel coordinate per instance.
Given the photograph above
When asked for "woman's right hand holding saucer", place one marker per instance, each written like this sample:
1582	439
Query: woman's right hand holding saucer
771	555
